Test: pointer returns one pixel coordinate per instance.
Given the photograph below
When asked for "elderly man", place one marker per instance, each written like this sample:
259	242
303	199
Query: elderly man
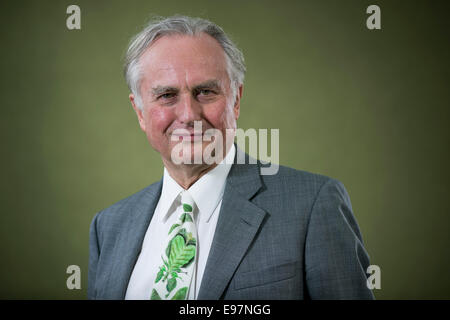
216	230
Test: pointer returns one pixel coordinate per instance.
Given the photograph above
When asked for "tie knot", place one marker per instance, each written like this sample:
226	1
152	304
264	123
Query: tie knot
187	201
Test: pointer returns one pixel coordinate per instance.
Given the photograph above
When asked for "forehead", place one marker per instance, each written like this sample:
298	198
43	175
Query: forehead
177	59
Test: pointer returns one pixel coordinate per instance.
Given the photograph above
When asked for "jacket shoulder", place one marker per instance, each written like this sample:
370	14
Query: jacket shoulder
291	190
121	210
295	179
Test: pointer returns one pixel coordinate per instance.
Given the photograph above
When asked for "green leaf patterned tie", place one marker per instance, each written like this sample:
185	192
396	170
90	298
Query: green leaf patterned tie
175	273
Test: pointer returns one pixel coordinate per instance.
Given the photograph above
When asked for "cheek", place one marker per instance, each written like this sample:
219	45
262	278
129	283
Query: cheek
220	116
158	120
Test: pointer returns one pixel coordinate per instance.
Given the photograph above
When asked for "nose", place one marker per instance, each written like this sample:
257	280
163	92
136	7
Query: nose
188	110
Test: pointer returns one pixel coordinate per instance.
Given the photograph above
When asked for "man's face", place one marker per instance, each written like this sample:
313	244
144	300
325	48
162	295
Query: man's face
184	79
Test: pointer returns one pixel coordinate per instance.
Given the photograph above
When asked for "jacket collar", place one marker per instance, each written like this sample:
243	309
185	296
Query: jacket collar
238	223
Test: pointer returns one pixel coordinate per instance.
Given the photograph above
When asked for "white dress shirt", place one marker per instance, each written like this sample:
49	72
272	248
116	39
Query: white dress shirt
207	193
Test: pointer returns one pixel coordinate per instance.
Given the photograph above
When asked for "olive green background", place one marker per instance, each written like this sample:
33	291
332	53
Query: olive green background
368	107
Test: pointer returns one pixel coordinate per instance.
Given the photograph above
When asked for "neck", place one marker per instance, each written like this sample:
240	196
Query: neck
187	175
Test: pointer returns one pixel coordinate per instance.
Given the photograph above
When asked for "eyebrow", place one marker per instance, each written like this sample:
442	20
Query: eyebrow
209	84
163	89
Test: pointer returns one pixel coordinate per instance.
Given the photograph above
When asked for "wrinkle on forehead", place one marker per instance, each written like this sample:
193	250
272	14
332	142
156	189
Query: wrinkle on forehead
183	60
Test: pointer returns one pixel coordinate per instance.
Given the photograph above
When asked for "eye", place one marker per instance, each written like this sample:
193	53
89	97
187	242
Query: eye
205	92
167	95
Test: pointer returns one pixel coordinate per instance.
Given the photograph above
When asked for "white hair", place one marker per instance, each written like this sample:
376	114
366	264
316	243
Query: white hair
181	25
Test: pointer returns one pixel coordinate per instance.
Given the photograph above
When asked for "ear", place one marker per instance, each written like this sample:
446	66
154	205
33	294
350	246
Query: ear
138	111
237	103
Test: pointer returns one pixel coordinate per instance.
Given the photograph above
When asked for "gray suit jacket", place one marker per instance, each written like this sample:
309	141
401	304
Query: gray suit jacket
286	236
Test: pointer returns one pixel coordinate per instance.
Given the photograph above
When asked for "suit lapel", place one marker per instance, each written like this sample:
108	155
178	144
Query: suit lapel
239	221
129	243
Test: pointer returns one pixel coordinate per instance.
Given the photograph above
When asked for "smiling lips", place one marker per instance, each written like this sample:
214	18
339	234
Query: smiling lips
192	137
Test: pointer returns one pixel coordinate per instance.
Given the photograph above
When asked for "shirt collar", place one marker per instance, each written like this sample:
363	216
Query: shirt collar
169	193
206	192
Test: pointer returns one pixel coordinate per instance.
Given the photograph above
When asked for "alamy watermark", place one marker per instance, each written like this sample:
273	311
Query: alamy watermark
73	22
373	22
192	149
374	280
74	280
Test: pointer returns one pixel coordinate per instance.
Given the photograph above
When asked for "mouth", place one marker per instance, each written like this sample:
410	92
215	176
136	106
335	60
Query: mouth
187	137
